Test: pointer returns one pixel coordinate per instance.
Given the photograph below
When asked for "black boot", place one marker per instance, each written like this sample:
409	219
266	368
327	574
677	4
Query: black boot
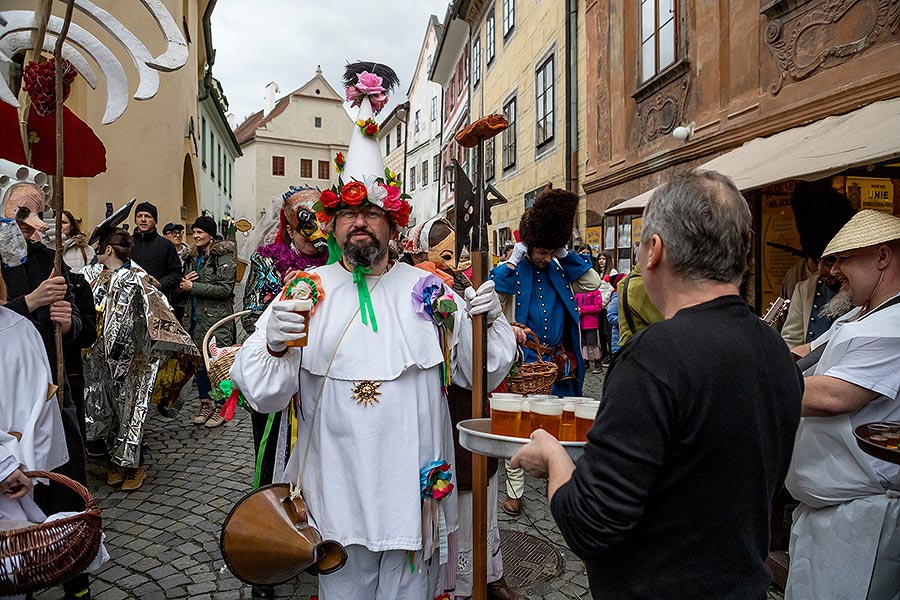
262	591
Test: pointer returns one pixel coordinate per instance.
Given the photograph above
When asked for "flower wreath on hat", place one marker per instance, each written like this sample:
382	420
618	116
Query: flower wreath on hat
383	192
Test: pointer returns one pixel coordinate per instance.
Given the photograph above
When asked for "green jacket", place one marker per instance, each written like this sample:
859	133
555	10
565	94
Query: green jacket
643	312
212	295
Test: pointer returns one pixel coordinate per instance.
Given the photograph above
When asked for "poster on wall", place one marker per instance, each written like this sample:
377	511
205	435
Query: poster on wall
873	193
778	228
593	237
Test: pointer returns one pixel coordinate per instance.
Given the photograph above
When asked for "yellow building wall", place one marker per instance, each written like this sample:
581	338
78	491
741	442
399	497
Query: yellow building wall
539	31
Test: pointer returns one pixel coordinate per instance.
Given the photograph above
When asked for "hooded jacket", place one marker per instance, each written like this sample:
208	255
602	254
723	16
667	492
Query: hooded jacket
212	294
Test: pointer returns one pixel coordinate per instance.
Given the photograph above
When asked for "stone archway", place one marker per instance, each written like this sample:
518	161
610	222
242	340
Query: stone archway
190	207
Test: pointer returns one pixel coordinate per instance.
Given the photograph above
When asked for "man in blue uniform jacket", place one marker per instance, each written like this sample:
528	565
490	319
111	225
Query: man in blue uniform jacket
537	286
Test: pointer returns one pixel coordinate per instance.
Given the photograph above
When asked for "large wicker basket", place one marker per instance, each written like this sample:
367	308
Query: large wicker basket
535	377
44	555
218	369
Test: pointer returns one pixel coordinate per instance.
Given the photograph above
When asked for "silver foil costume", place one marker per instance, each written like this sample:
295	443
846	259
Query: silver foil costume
141	353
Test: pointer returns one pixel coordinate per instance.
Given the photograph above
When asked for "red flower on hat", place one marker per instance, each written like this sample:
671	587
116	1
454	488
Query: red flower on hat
353	193
401	215
329	199
371	129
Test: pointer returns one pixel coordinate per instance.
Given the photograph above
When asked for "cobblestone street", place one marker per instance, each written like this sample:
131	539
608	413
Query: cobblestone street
163	538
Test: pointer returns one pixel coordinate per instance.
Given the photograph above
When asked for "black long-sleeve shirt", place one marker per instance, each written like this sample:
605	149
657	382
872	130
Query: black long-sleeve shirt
692	441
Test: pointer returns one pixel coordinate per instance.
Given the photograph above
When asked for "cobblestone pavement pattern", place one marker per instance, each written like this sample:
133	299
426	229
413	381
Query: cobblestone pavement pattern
163	538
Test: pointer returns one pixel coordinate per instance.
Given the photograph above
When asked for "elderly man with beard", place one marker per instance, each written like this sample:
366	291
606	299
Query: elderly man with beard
372	392
845	540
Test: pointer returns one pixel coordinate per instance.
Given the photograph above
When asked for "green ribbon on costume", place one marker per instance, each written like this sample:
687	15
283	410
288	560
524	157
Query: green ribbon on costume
334	250
262	450
365	300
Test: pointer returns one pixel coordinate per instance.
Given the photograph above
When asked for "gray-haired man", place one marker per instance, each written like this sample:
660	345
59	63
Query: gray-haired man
693	438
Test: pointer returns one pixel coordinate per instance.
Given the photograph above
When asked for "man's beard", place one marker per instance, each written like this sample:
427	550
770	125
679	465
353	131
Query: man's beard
839	305
363	254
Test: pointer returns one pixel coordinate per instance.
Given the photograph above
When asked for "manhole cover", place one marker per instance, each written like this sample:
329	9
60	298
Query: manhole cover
528	560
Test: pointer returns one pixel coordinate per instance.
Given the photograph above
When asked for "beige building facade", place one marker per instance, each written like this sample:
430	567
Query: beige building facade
292	141
525	61
152	150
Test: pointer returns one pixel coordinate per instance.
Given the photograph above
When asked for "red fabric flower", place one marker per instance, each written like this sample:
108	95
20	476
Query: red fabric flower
372	129
329	199
401	215
353	193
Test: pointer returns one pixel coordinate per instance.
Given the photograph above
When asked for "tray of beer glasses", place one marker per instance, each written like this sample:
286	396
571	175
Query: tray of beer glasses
880	440
514	417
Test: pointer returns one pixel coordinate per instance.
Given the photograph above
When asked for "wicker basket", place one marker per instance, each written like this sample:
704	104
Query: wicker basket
218	369
536	377
44	555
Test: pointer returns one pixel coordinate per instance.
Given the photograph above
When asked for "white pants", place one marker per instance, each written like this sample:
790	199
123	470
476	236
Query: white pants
383	576
515	481
494	559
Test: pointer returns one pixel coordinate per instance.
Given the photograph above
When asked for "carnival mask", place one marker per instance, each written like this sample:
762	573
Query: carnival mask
308	226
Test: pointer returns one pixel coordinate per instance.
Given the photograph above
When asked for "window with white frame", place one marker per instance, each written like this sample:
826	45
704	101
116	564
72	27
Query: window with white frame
412	178
434	108
509	135
387	143
424	173
418	120
659	36
490	37
476	61
436	175
544	102
509	17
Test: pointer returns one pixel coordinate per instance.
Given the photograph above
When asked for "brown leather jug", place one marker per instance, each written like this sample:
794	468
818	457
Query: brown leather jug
267	539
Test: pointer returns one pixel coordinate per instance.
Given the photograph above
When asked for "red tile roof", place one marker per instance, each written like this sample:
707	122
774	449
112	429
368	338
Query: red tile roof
246	131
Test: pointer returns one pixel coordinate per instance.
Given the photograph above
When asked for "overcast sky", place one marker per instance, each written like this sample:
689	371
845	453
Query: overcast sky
258	41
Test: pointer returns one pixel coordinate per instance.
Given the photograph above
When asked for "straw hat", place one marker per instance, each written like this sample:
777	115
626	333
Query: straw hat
866	228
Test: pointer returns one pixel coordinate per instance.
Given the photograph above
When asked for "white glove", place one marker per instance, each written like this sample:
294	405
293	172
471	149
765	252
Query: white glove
485	302
518	253
285	325
561	253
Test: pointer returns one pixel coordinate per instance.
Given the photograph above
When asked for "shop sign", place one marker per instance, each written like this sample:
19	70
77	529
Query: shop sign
870	192
593	237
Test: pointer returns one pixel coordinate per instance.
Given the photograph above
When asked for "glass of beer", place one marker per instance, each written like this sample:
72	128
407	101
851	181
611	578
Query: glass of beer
878	429
567	429
302	307
506	413
585	413
525	423
546	415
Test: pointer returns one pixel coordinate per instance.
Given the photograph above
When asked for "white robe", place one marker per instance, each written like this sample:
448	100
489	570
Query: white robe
26	408
361	481
845	540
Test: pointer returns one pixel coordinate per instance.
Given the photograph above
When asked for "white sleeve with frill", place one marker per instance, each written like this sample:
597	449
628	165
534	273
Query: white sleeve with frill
501	344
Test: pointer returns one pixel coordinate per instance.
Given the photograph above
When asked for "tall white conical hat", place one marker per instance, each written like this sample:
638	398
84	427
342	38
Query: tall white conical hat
364	155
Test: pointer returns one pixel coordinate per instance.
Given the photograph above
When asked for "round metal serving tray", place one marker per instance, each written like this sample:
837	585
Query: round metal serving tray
886	454
475	435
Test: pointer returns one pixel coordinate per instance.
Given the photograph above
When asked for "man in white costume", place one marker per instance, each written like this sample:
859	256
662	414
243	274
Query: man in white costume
372	405
845	540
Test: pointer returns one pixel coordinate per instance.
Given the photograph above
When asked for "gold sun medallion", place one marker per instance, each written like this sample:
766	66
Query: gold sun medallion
366	392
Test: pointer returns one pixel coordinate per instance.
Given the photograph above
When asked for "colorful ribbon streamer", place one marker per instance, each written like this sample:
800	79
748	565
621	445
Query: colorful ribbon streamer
365	300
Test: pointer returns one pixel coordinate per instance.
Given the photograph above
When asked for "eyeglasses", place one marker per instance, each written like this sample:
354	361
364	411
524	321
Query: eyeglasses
370	214
177	233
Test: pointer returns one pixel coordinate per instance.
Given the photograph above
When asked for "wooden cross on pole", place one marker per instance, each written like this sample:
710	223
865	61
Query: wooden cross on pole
473	209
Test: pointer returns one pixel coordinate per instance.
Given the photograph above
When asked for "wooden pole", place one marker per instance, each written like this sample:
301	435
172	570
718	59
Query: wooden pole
479	392
58	203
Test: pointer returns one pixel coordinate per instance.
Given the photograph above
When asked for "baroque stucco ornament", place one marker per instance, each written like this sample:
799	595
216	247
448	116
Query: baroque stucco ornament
659	114
827	35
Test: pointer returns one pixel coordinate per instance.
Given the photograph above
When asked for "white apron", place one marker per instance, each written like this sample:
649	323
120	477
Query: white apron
845	539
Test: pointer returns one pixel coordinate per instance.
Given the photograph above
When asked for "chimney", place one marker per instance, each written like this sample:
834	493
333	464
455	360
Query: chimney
232	121
271	91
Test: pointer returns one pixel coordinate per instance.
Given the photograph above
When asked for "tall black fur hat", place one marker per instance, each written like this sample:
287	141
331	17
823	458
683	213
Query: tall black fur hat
548	224
819	212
